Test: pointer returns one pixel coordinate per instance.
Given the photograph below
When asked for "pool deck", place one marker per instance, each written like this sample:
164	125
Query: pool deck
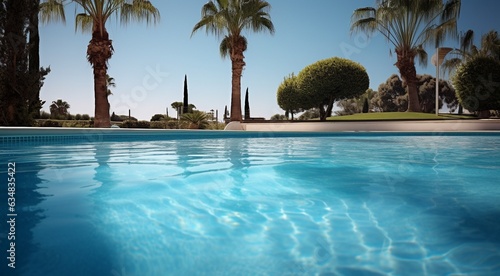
370	126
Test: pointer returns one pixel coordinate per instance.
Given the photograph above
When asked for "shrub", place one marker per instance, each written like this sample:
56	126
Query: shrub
58	117
173	124
128	124
37	123
78	117
157	117
289	96
310	114
278	117
143	124
76	123
85	117
44	115
51	123
135	124
125	117
477	84
216	126
158	124
117	118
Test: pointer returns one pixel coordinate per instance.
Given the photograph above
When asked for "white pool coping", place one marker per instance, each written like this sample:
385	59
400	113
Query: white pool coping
371	126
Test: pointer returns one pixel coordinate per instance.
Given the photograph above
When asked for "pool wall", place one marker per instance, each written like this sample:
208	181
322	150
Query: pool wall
14	135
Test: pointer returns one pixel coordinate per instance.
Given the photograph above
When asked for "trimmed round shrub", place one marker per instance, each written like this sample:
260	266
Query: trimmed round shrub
477	84
289	97
330	80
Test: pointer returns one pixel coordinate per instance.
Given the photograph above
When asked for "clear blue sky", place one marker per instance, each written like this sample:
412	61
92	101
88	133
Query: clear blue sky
150	62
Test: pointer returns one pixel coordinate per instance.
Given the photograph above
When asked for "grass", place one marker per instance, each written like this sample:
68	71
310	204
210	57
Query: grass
381	116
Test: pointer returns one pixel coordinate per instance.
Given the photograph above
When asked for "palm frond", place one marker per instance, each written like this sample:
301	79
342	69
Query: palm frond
110	81
441	32
474	51
490	44
367	25
229	18
84	22
422	55
52	11
467	40
211	24
211	19
139	10
209	9
223	4
363	13
451	10
88	6
225	47
449	65
255	15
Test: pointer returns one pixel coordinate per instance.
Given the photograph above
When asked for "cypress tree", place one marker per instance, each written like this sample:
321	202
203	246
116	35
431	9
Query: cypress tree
225	113
365	106
185	106
247	106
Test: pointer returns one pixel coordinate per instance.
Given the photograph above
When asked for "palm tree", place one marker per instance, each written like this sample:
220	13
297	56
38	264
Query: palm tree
490	47
93	18
59	108
110	82
229	18
409	26
195	120
177	107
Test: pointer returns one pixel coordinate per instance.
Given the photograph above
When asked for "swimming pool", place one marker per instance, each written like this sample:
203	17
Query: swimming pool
255	204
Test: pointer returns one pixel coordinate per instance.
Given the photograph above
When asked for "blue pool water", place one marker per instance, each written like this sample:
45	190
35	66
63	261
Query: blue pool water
329	205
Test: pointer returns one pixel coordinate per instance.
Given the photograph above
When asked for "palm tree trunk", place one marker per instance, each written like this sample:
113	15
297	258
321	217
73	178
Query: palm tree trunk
34	57
237	71
99	52
406	66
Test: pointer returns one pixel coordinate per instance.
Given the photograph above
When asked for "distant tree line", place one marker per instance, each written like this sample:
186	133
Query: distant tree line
392	96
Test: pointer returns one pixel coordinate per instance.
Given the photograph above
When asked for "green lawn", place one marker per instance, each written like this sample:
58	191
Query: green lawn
398	116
